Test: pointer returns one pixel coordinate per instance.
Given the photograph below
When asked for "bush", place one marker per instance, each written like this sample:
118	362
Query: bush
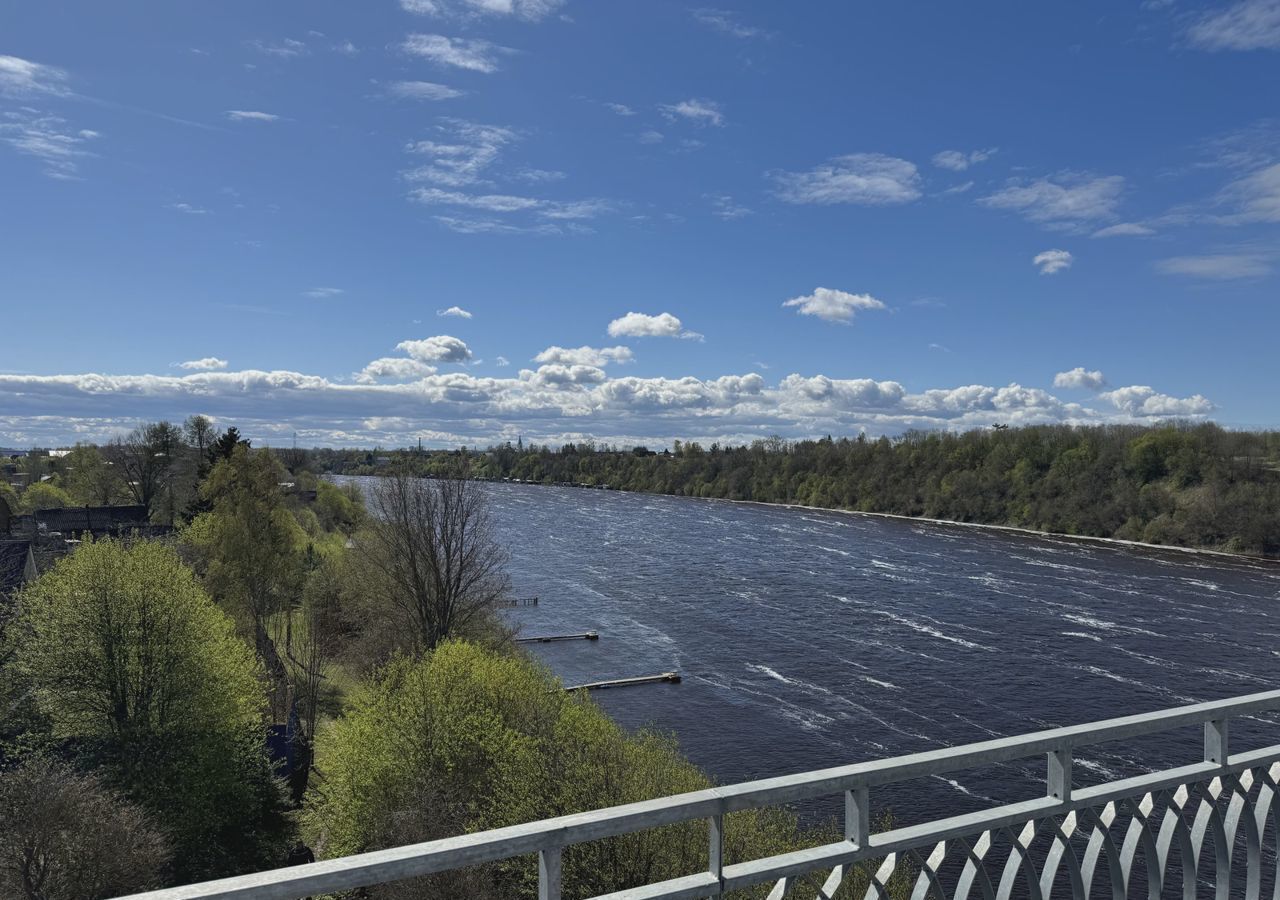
64	836
466	739
138	672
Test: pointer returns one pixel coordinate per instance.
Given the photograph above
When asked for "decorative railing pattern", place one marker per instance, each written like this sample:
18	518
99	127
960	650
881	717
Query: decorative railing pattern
1204	827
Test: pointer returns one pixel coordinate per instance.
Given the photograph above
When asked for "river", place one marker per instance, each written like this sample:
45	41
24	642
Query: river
809	639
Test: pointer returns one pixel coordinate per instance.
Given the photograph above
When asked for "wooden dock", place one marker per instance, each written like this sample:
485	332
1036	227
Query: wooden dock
667	677
546	639
519	601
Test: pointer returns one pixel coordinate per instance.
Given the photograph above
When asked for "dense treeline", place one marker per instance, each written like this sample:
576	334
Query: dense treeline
292	674
1183	485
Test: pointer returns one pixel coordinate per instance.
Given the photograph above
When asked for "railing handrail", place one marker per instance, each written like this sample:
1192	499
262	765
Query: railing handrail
546	837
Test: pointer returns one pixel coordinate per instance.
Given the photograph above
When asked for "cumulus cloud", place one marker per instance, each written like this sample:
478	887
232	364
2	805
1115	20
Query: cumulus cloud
699	112
250	115
1080	378
392	402
584	356
471	54
958	161
441	348
1220	267
620	109
832	305
527	10
1141	401
1065	200
1245	25
868	179
456	311
396	368
635	324
207	364
502	362
23	78
1051	262
422	90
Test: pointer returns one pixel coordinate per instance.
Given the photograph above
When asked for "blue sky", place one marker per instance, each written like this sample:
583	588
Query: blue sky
649	219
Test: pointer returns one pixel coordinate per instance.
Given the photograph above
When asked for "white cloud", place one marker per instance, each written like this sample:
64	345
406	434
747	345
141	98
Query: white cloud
23	78
1222	266
322	293
474	55
1245	25
548	406
650	137
207	364
727	22
48	139
635	324
1080	378
527	10
289	48
441	348
1051	262
834	306
394	367
463	155
422	90
502	362
498	203
539	176
958	161
599	357
556	375
1064	200
457	311
724	207
250	115
962	188
869	179
1124	229
699	112
1256	197
1141	401
620	109
189	209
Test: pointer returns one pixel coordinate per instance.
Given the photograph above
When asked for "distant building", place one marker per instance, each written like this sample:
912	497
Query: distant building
97	521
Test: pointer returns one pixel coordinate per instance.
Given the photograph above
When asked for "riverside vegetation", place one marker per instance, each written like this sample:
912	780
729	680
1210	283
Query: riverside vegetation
1180	484
140	680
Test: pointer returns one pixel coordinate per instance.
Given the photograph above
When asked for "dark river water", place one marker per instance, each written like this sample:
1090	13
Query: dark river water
809	639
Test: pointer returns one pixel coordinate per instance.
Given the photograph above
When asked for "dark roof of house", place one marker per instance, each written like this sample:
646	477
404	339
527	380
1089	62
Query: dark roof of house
95	519
13	565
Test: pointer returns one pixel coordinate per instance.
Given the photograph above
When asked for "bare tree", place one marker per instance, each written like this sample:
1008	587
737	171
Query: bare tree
146	458
432	544
63	836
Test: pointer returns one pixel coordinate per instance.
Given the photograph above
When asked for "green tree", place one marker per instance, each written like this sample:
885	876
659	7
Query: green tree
251	549
137	670
43	495
467	739
90	479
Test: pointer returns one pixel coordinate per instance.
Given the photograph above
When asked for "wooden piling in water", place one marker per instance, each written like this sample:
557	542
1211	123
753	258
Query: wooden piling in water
546	639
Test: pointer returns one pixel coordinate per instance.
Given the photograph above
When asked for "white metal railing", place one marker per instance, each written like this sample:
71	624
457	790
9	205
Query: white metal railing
1049	844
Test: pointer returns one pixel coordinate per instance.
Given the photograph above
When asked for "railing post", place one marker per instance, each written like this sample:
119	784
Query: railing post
1058	777
549	873
715	850
857	816
1216	748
